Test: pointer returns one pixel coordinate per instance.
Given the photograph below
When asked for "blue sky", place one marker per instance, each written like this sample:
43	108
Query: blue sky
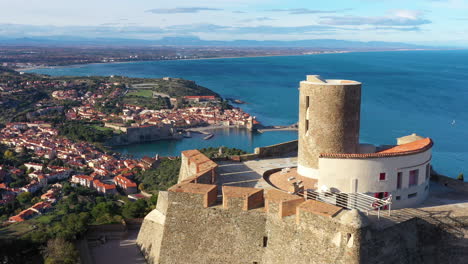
442	22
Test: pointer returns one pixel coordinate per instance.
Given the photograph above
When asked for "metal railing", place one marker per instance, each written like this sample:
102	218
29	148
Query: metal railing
358	201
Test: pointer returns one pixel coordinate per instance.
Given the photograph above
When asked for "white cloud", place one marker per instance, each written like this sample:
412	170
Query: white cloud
181	10
395	18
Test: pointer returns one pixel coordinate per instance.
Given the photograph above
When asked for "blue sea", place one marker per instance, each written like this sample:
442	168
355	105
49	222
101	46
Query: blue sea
404	92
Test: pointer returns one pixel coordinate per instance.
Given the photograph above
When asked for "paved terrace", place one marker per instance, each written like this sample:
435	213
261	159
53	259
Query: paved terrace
249	173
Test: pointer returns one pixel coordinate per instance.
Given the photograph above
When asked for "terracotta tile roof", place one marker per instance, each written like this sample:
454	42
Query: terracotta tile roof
401	150
413	146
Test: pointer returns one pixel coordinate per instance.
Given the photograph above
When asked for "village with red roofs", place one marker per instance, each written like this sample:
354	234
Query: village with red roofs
109	104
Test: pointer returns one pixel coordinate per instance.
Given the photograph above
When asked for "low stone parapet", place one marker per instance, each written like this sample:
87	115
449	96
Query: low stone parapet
242	198
207	192
281	203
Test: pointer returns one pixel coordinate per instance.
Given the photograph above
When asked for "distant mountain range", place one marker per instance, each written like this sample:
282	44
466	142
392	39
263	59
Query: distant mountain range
195	41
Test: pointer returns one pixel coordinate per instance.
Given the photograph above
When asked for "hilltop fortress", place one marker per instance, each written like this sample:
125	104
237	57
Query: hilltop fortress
325	198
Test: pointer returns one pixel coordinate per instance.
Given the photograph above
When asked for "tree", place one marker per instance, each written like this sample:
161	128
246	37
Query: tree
461	177
24	197
35	200
10	155
60	251
134	209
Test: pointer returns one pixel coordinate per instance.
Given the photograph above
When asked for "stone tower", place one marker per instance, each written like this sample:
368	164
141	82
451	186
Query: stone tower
329	116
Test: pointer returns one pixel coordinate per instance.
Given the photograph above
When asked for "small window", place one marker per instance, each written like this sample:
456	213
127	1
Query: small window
399	179
307	104
428	171
398	198
382	176
265	241
412	195
413	177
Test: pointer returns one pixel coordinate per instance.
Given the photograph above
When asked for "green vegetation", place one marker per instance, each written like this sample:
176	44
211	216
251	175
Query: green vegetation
160	178
167	173
60	251
156	103
174	87
79	208
11	158
225	152
82	131
110	107
461	177
141	93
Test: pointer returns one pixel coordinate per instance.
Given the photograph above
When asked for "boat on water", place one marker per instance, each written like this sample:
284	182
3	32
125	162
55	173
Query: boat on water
208	137
188	135
236	101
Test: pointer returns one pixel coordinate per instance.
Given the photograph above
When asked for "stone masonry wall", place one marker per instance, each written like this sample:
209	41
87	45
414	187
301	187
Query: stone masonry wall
182	230
315	239
277	150
193	234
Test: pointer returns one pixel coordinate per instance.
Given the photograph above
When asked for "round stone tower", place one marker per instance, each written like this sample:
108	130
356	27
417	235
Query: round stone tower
329	116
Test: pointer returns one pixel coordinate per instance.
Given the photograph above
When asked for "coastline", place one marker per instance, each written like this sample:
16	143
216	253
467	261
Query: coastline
140	61
216	58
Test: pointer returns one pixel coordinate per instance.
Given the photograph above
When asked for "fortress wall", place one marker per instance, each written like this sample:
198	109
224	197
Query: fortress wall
147	133
140	134
442	239
308	237
193	234
188	226
247	157
185	171
150	237
206	177
277	150
272	227
240	198
397	244
197	167
452	183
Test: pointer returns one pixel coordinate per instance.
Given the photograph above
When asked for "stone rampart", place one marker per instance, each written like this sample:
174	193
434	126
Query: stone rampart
196	167
197	221
451	183
140	134
190	225
196	229
277	150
